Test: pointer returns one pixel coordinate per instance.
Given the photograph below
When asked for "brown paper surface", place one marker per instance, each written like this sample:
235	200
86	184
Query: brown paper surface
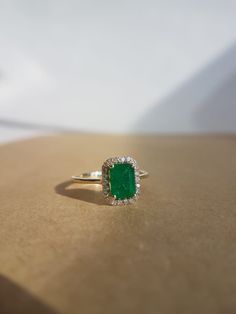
62	250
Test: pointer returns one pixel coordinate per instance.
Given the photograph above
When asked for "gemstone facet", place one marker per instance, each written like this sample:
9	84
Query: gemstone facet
122	181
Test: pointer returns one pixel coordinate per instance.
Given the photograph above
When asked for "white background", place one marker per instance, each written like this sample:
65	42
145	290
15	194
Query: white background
117	66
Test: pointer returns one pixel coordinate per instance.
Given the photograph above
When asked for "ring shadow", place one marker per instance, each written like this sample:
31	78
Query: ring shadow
86	193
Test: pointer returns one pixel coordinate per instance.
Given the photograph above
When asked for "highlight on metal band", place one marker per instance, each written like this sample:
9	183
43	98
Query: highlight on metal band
96	176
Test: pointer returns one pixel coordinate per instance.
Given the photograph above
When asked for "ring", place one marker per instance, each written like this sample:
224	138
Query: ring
120	179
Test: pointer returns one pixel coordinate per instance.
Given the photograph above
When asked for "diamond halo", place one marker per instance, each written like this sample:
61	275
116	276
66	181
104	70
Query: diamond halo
106	180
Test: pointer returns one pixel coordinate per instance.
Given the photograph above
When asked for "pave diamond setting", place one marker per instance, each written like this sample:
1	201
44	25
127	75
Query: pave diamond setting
120	180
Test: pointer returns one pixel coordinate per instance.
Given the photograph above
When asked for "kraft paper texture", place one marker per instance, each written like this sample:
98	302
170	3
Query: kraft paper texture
63	250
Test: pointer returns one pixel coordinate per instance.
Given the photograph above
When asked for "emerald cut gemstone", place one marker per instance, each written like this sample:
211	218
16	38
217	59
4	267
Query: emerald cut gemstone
122	181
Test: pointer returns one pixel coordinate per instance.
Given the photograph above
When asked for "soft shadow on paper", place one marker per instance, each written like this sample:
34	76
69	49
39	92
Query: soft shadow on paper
14	299
90	193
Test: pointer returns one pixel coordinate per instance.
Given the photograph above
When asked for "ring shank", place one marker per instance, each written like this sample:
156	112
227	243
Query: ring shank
96	177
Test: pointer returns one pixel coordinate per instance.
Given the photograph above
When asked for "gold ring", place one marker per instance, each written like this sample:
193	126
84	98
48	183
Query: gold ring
120	179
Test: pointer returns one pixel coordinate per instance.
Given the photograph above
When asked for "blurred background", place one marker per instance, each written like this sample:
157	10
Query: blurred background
117	67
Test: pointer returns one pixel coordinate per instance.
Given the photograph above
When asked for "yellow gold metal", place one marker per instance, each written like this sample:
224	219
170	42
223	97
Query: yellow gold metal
95	177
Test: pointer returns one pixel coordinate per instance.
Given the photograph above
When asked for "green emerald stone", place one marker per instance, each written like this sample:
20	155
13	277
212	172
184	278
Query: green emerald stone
122	181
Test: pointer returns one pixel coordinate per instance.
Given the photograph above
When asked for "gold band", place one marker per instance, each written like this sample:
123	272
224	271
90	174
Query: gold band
96	177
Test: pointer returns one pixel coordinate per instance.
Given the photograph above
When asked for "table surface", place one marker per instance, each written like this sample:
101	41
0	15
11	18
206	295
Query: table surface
63	250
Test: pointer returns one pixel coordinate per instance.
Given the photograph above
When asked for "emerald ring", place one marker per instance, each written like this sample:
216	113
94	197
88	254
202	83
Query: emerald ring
120	179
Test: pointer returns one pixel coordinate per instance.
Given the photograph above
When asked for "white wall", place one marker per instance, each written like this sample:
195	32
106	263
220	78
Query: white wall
117	66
